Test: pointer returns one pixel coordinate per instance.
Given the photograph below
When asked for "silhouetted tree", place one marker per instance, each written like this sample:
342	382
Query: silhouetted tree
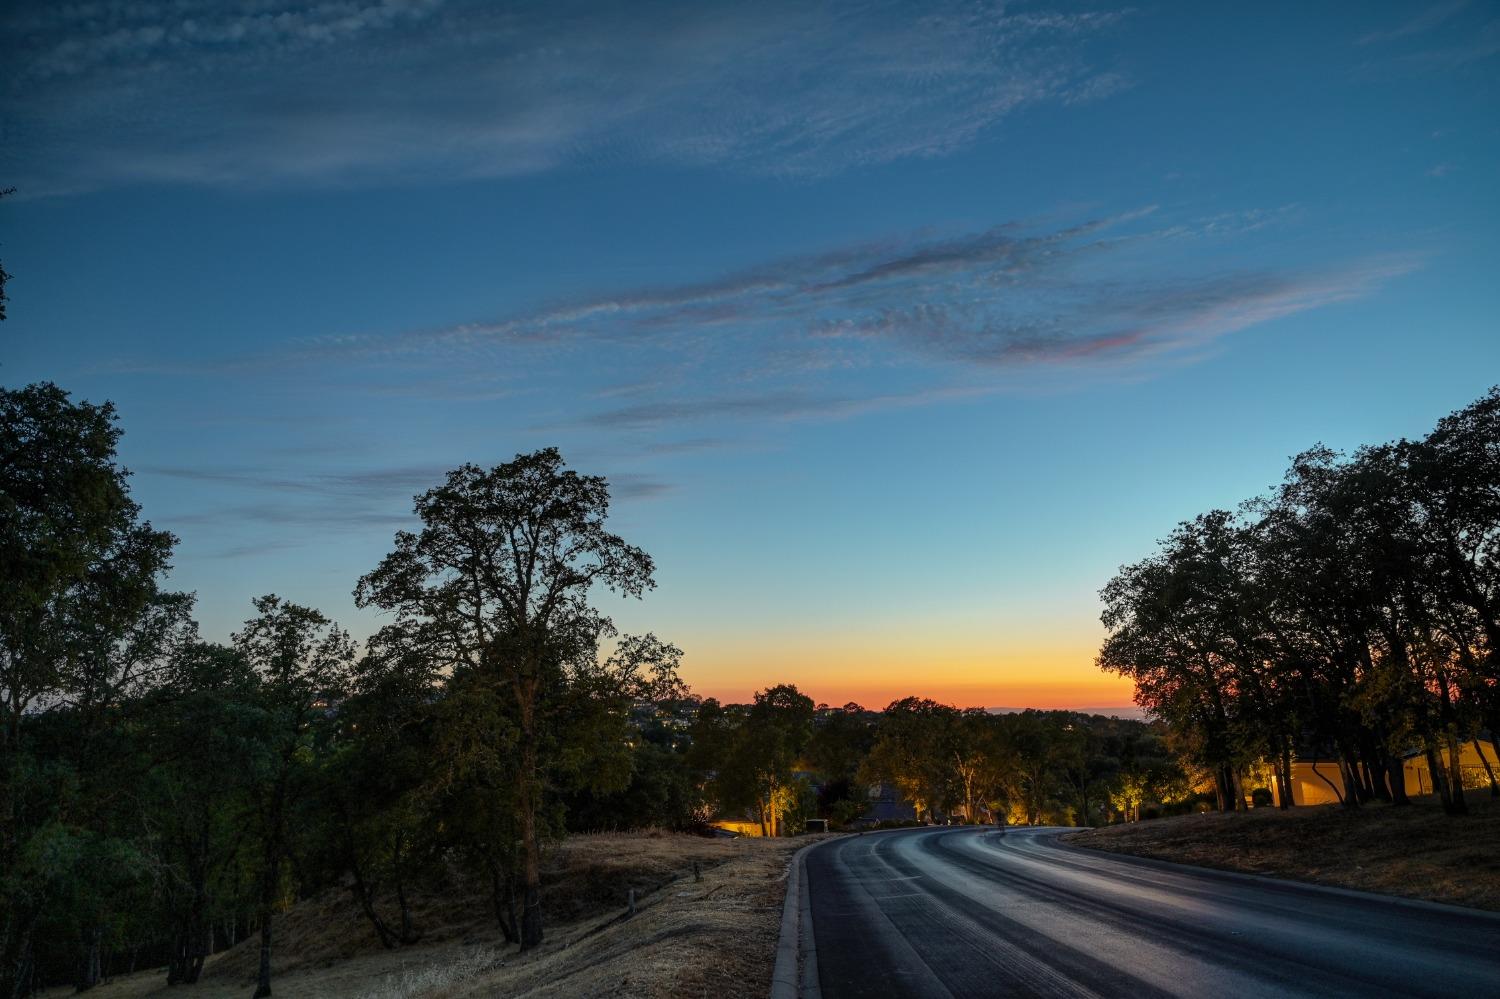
303	661
1350	615
499	575
84	626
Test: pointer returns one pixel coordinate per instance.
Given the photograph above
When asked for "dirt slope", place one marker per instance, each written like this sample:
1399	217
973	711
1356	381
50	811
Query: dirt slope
1416	851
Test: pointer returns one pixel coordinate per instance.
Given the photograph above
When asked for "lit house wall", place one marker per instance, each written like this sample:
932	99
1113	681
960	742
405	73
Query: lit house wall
1310	782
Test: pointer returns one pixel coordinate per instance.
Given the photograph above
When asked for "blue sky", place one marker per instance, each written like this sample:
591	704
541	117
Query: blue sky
896	327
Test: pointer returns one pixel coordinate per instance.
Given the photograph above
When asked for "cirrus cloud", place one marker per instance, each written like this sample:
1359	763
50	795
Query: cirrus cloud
276	92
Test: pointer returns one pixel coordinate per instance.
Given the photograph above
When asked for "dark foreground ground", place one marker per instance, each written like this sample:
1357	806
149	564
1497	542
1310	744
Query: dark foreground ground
1415	851
968	912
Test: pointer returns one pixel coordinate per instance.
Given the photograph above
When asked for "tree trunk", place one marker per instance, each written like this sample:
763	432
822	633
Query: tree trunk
1396	773
408	934
1490	771
87	975
362	895
1439	778
270	881
531	905
503	898
1456	775
24	966
198	932
1224	779
1318	772
1373	757
1354	781
175	964
1378	774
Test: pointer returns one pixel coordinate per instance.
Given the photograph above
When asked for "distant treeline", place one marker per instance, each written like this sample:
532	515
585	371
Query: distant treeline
782	760
1350	615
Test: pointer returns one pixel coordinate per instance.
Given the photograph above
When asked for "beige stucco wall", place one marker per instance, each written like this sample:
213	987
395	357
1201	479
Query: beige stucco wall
1310	788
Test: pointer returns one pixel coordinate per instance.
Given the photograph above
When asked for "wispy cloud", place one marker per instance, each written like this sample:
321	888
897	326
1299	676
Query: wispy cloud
377	481
376	497
1420	23
777	406
881	324
1482	43
1002	296
686	445
1451	35
279	92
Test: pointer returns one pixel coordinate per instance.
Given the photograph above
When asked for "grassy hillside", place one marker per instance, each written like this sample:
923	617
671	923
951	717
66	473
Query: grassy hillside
1417	851
716	937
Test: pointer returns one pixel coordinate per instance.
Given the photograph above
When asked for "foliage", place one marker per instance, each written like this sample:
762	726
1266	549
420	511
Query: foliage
749	754
1349	615
496	583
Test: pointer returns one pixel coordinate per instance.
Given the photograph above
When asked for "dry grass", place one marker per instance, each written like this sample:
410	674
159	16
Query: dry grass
1416	852
444	977
711	938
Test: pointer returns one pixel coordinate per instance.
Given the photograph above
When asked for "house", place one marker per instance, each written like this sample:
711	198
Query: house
739	827
1314	781
885	806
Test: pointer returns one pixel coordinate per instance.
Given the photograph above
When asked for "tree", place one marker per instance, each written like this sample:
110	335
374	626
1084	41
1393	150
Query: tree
304	663
1350	615
841	740
648	708
499	577
80	568
1166	616
1039	746
472	791
206	734
750	753
371	812
984	763
83	624
911	753
776	731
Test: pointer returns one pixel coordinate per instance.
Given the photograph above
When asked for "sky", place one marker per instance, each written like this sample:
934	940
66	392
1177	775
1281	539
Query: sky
896	327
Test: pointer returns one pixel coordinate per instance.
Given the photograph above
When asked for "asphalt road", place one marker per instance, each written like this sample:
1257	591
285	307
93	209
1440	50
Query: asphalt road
967	912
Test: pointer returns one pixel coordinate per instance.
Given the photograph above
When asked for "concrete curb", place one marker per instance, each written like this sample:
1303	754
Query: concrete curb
786	976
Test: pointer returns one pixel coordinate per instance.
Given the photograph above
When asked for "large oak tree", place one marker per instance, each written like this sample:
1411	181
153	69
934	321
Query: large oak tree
499	577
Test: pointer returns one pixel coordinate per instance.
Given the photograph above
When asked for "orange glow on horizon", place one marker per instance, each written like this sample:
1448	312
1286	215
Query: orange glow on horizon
1040	676
998	694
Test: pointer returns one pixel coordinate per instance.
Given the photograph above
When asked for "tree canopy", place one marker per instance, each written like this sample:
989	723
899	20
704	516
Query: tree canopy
1348	615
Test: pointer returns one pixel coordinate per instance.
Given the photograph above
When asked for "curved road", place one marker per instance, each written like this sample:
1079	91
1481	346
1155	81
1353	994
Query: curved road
969	912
